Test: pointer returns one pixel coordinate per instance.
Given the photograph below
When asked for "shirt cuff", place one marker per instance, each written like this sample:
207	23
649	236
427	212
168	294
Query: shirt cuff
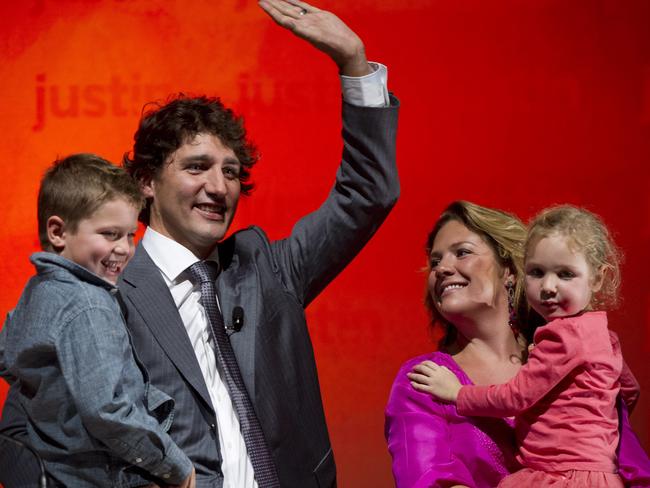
369	90
174	468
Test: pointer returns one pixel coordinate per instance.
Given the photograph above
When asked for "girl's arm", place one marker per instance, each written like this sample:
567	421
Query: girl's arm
558	352
630	387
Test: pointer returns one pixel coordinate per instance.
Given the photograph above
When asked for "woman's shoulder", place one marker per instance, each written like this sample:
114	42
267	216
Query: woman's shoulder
438	357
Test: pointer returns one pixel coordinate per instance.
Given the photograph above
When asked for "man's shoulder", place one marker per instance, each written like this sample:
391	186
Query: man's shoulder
250	240
249	236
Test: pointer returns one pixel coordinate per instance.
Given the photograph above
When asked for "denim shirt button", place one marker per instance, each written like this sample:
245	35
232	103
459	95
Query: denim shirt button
138	460
166	475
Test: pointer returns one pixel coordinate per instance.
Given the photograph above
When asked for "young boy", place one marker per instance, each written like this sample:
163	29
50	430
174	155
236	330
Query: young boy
93	417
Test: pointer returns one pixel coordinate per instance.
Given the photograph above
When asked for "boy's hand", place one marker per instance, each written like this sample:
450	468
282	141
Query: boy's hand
436	380
189	482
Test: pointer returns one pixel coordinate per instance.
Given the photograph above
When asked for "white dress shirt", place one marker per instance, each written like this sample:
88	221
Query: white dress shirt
172	259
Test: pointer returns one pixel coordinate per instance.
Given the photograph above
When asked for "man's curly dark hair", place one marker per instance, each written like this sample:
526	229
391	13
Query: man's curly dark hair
166	127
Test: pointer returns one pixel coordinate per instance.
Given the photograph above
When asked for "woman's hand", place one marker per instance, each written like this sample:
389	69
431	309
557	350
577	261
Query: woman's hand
436	380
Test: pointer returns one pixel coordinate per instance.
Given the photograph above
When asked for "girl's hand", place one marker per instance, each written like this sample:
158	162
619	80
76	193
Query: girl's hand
436	380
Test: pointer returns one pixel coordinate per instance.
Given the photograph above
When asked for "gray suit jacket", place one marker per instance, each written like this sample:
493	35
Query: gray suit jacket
273	282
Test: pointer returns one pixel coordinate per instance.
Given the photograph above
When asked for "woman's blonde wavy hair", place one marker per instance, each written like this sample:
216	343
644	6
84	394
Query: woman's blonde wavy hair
506	235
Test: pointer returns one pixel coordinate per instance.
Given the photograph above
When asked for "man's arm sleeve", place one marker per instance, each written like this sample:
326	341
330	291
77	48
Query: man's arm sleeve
322	243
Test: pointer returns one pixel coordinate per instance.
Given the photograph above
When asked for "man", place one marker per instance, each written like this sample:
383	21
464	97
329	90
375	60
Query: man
259	422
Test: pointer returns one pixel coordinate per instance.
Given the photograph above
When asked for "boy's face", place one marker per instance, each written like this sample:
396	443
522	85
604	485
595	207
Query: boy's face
103	243
559	281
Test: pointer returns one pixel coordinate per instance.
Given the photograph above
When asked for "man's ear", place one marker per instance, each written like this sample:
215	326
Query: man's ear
56	232
147	187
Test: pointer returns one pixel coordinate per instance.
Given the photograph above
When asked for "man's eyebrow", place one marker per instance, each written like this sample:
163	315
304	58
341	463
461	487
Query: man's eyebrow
197	158
231	160
206	158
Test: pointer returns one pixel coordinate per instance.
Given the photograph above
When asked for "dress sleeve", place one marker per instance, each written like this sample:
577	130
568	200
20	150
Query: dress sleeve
96	359
633	462
417	431
630	388
559	351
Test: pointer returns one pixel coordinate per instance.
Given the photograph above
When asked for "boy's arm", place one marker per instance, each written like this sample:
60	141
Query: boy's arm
99	369
558	352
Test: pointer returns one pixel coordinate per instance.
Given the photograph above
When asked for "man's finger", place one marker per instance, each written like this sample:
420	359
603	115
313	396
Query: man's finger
305	6
284	8
277	16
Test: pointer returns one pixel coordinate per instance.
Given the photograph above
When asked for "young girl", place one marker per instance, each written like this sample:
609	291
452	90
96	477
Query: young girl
564	397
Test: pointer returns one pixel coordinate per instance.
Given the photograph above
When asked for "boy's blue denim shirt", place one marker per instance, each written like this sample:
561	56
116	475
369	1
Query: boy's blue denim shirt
92	415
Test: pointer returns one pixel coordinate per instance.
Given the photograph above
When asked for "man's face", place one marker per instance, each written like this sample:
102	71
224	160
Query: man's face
195	194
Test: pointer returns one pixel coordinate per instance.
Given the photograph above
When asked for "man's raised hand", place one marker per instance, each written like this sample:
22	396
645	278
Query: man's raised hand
323	30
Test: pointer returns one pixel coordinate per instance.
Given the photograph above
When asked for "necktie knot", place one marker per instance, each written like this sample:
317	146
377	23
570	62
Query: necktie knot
204	271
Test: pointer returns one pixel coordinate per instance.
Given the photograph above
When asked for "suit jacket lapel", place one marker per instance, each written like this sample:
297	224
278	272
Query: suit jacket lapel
149	295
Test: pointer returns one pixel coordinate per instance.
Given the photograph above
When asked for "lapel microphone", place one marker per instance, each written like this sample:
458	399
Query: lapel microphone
237	319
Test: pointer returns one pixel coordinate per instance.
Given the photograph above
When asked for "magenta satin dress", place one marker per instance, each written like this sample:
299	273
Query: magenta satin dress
433	446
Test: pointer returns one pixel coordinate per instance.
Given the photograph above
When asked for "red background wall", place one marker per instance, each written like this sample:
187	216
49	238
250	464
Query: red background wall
510	104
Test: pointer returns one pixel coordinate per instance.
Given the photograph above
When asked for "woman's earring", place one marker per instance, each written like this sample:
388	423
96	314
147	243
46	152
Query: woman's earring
512	312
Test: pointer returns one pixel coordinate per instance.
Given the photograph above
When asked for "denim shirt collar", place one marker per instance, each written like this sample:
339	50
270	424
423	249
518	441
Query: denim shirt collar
49	262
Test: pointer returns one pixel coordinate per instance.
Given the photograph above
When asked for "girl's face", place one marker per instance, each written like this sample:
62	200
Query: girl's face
559	281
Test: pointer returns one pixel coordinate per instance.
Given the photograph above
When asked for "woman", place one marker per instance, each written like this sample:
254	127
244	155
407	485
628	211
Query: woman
475	291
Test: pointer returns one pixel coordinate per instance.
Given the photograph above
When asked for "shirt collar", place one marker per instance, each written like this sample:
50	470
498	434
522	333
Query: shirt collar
45	262
171	258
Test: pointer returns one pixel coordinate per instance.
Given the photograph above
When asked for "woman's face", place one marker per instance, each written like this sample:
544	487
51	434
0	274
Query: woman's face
465	280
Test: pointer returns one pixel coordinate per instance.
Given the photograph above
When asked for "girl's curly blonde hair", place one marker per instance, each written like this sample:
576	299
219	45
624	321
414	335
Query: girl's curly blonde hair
586	233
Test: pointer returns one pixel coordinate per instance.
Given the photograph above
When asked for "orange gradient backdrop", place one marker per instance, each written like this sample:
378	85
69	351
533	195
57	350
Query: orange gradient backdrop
510	104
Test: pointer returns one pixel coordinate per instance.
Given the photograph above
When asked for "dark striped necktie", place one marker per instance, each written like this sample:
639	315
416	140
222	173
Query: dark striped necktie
266	476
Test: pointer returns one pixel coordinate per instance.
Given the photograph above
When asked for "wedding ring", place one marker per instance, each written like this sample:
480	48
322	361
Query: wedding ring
302	12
